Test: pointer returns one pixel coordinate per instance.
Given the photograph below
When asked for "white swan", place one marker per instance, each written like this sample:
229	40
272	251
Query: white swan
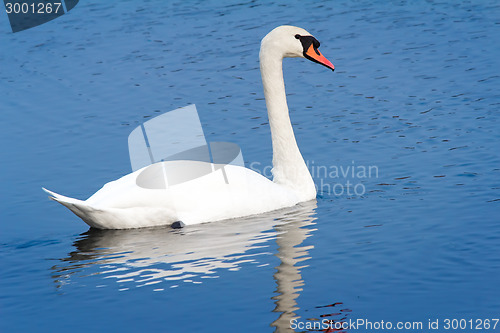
122	204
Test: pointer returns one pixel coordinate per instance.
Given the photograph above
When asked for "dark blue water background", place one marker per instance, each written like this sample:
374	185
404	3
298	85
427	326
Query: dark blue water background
415	93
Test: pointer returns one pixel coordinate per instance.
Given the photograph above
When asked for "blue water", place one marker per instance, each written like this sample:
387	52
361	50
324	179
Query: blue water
415	95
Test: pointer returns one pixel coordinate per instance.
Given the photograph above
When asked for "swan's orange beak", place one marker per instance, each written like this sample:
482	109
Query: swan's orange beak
313	54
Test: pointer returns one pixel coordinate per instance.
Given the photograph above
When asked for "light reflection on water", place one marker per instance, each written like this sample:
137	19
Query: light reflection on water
163	257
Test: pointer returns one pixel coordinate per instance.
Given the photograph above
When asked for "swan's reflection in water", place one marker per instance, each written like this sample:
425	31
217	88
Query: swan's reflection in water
288	277
164	257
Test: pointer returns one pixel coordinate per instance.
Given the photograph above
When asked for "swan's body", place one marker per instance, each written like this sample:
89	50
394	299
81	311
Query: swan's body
122	204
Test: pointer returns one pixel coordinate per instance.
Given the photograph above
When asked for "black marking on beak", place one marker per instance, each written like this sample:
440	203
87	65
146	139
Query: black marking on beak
310	51
307	41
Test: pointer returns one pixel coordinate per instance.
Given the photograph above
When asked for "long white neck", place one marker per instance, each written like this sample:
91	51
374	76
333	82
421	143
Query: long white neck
289	168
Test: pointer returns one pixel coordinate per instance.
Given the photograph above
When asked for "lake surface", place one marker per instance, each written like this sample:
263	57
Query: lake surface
414	102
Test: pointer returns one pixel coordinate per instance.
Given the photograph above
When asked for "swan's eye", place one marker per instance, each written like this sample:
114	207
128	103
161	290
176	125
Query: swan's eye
297	36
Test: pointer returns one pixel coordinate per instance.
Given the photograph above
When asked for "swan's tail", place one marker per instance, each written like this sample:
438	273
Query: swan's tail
62	199
115	218
78	207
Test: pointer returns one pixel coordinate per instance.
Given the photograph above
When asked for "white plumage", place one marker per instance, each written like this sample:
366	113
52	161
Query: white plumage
122	204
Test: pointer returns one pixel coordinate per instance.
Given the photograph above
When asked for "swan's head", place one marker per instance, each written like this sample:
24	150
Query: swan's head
290	41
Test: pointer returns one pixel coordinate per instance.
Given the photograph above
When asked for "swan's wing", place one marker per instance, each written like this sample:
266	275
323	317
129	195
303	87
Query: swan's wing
228	192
